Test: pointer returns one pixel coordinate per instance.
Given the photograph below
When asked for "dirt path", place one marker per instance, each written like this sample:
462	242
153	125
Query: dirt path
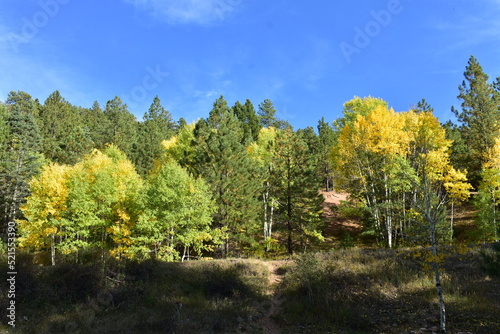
268	323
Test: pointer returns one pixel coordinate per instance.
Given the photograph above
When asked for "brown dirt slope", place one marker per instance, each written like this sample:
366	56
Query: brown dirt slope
336	225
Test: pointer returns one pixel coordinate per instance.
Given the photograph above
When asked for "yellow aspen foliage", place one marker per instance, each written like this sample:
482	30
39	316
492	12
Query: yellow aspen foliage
261	149
456	185
492	156
45	207
180	148
382	131
382	156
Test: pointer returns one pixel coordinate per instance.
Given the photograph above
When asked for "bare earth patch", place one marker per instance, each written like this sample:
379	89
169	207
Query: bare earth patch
275	277
336	225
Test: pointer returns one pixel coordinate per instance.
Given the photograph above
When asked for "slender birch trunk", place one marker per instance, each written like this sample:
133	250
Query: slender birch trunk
53	250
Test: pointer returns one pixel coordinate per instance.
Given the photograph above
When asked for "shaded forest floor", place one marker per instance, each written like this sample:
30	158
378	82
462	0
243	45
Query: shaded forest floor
344	289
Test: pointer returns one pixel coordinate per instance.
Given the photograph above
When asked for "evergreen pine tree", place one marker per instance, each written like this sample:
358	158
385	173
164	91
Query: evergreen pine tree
21	161
423	106
224	163
97	124
4	131
24	101
267	115
249	120
180	123
296	189
64	136
157	126
479	117
122	126
459	151
326	141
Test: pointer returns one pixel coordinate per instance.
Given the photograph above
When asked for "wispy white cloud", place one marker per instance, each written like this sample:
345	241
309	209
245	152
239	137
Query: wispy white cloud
469	28
188	11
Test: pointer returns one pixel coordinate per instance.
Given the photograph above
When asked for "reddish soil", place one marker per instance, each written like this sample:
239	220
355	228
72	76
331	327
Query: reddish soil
337	225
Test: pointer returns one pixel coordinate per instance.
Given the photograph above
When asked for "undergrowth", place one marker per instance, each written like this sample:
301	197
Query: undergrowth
384	291
349	290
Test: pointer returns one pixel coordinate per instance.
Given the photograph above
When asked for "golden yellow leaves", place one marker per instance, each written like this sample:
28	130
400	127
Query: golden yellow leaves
261	151
382	131
456	185
45	206
492	156
52	190
378	135
69	203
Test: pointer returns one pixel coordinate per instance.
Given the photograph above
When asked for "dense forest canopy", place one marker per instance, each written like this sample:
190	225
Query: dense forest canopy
240	181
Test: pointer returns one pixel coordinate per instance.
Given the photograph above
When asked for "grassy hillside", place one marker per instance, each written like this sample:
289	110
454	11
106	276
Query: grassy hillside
343	291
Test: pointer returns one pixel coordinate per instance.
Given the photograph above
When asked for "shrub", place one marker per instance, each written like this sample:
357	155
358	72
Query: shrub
490	259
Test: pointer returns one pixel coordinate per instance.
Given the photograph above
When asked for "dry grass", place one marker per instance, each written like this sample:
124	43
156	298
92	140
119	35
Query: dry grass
216	296
344	291
358	291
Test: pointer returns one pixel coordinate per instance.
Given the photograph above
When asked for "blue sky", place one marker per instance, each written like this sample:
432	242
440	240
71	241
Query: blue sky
307	57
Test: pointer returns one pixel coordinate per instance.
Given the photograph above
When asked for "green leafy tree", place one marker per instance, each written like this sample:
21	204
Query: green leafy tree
489	195
357	106
102	203
263	153
439	183
369	163
478	117
226	166
93	204
182	148
177	216
378	160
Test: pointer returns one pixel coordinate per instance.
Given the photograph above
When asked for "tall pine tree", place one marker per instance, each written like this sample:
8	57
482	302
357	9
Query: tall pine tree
122	130
224	163
20	162
479	117
158	125
65	138
326	137
296	189
96	124
267	115
249	120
